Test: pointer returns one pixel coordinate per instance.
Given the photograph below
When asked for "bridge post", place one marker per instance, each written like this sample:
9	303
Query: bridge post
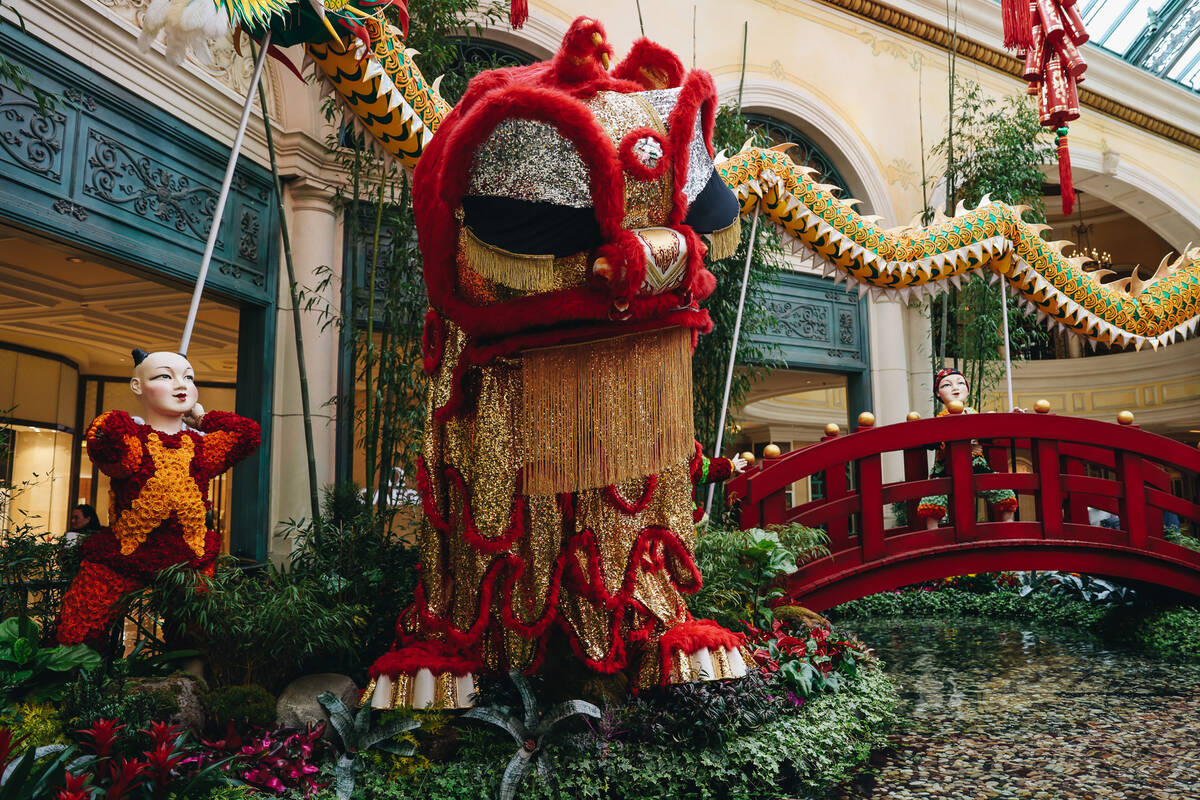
869	474
916	468
1050	512
835	489
1133	500
962	489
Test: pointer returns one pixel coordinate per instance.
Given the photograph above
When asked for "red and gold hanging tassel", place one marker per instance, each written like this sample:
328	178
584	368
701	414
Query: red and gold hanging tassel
1018	23
518	12
1065	181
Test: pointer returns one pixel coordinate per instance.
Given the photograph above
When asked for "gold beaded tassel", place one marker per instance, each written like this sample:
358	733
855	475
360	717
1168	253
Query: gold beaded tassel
724	243
527	273
599	413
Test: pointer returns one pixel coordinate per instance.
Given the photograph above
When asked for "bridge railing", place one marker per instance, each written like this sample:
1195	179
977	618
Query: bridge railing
1074	464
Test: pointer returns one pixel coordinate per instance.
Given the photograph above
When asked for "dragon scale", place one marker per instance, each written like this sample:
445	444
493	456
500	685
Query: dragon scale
399	109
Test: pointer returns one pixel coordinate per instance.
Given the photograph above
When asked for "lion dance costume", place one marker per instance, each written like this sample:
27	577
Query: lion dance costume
560	210
158	510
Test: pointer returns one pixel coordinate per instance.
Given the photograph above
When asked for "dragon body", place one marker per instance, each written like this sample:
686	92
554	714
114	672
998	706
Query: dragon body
399	109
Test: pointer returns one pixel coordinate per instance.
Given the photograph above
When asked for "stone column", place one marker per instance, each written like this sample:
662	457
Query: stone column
889	372
316	234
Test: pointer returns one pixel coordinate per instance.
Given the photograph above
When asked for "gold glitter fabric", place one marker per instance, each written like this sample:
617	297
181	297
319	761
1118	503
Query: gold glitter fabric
503	567
647	203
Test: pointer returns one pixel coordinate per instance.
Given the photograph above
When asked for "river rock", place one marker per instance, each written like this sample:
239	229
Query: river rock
297	706
177	694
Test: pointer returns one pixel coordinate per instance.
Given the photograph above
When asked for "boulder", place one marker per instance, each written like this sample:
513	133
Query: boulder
179	695
297	706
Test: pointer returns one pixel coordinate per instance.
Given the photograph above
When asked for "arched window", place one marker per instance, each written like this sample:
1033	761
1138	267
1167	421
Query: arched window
473	56
805	153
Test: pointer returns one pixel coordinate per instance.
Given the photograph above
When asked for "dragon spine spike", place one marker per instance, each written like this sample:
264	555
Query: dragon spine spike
746	146
437	84
720	158
960	210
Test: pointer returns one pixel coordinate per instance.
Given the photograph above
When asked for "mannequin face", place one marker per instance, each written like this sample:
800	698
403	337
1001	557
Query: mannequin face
952	387
165	384
78	519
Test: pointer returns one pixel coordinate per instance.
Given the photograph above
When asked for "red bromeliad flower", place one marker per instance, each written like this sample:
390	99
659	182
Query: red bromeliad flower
127	775
160	732
162	761
9	747
104	735
76	788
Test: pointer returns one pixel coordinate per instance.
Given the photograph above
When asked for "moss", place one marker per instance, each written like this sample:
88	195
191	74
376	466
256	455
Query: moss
250	704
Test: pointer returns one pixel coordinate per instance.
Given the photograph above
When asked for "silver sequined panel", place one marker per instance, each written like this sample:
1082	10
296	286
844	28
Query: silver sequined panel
700	163
529	160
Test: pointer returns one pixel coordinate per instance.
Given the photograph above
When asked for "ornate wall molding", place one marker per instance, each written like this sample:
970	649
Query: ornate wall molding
116	175
1002	61
815	328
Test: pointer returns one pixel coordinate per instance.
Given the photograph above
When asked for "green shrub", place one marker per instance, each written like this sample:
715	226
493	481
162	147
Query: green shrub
800	754
739	568
40	722
230	616
98	695
249	704
1170	632
1040	608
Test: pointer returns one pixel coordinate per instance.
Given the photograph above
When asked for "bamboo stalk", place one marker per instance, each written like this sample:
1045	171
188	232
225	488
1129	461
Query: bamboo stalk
305	401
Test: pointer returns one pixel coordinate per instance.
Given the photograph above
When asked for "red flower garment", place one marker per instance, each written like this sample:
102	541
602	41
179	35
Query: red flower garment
158	510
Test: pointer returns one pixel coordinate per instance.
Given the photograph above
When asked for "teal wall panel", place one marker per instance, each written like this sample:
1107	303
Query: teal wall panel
108	171
817	325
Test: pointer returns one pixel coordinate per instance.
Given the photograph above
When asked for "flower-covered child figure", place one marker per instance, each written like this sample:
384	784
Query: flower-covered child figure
159	468
950	386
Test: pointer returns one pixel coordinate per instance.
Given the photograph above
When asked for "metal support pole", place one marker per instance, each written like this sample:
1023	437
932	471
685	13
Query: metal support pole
1007	348
219	211
737	331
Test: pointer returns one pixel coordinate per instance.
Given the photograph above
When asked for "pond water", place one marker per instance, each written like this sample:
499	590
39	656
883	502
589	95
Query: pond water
1003	710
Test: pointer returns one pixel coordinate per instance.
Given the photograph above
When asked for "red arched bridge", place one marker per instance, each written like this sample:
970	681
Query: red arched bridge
1065	465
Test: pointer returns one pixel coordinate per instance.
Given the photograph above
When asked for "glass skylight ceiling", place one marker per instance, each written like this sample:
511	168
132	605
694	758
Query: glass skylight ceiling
1160	36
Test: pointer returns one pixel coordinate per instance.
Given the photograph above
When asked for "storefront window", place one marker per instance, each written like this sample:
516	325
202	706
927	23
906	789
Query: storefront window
37	432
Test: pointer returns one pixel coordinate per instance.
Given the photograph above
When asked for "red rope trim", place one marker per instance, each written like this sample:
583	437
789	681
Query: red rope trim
470	532
427	499
636	507
535	629
433	341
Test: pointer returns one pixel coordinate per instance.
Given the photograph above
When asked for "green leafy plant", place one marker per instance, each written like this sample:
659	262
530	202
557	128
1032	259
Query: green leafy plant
1076	586
242	705
31	672
531	730
229	616
740	567
31	773
358	736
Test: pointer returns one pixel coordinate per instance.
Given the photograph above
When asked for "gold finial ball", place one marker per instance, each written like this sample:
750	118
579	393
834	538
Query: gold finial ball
913	416
748	457
1042	406
866	419
832	429
771	451
1125	417
955	407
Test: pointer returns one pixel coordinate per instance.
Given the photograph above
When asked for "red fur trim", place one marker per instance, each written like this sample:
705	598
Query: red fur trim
578	59
437	657
433	341
627	259
571	119
650	65
638	506
469	531
691	636
443	626
634	165
614	661
699	282
696	463
930	511
698	89
650	551
432	514
532	630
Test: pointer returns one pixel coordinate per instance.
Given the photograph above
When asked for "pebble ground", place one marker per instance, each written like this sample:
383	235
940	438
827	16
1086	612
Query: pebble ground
998	713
